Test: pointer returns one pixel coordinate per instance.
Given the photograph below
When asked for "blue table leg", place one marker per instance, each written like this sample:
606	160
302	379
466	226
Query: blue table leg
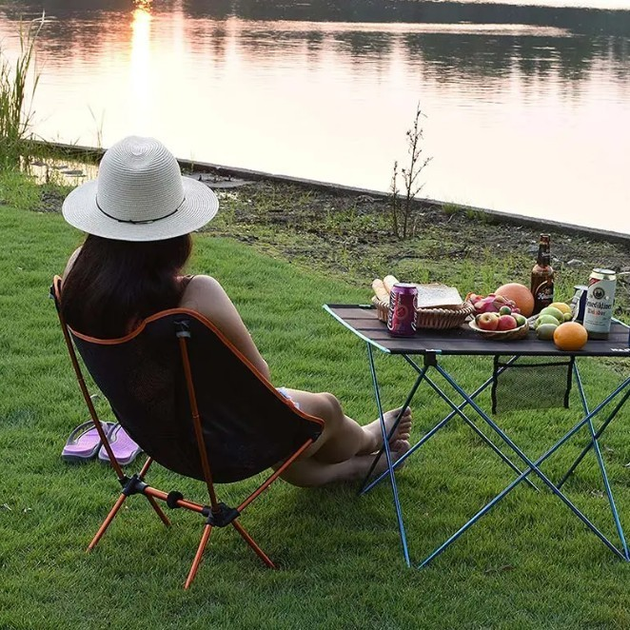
601	429
594	443
532	467
478	431
366	487
388	456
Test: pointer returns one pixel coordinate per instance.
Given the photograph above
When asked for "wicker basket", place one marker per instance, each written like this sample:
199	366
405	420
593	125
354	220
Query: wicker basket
502	335
441	318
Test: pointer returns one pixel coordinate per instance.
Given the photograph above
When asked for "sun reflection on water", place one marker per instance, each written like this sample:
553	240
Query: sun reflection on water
140	66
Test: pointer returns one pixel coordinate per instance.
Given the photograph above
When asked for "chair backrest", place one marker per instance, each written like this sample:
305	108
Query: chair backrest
247	425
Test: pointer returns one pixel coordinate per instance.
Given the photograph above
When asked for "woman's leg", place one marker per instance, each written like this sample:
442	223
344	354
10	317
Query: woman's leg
310	472
342	437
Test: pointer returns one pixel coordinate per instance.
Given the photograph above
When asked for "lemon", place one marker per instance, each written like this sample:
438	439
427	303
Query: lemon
562	307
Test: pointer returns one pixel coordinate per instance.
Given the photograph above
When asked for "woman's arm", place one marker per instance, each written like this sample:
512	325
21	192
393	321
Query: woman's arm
206	296
70	262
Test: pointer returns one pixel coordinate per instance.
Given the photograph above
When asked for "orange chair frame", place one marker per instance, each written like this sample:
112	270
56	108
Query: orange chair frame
217	514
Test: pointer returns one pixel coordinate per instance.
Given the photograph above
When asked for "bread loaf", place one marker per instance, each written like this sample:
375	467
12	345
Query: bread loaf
389	282
379	290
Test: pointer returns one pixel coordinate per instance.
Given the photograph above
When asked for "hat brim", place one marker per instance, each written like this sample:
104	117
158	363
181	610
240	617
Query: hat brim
200	206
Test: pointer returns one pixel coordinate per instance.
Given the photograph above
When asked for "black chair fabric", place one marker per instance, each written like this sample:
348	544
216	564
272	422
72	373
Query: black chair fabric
247	426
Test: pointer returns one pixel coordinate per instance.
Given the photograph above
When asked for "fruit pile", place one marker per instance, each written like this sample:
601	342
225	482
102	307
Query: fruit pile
550	318
491	303
506	318
517	296
495	312
554	323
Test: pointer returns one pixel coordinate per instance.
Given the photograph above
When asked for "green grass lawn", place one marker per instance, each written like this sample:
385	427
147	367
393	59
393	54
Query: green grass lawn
527	564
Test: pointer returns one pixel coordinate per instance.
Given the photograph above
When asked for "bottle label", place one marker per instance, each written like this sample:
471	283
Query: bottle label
543	293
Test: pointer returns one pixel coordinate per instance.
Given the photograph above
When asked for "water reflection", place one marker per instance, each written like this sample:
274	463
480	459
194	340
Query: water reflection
139	67
526	105
143	5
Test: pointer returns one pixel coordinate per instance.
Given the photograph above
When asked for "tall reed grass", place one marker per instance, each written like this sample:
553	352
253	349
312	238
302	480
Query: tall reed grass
18	83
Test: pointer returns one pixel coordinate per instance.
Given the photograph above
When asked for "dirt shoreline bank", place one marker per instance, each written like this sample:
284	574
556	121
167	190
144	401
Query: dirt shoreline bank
224	173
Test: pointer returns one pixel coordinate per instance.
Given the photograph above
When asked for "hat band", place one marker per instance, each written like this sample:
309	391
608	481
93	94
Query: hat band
139	222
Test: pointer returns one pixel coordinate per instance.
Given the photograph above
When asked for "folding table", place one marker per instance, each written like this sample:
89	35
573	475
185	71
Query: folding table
430	346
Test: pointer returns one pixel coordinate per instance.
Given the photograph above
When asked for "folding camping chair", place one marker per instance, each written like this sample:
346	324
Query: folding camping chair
196	406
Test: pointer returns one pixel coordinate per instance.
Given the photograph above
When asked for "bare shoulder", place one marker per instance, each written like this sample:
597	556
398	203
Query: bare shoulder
71	262
206	296
200	291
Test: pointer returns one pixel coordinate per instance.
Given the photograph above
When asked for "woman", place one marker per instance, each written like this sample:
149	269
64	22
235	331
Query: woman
138	215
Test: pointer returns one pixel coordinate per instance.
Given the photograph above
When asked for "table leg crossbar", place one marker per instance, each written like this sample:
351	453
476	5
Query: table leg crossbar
532	466
600	460
456	410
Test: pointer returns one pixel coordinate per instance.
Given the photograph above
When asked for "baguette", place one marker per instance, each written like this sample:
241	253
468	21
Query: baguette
380	291
389	282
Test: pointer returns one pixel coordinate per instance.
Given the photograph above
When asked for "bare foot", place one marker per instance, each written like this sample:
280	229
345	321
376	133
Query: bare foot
398	449
402	432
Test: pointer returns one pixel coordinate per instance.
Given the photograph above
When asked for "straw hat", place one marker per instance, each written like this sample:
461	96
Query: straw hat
140	195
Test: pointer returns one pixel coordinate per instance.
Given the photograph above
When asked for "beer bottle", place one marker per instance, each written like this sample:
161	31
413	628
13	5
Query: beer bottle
542	276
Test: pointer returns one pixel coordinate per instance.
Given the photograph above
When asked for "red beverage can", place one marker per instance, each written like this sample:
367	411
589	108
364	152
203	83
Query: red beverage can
401	319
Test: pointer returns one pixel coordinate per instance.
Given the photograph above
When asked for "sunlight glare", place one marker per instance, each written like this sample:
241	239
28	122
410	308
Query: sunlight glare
143	5
140	66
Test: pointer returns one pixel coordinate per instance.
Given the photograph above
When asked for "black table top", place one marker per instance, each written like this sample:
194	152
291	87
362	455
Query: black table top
362	321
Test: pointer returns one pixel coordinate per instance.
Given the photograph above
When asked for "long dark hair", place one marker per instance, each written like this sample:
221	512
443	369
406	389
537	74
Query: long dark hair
112	285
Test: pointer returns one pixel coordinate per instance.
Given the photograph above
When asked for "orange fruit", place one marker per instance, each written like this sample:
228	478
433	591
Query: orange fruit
570	336
520	295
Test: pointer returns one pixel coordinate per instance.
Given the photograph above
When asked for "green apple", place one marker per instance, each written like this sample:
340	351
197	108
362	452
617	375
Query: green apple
555	312
520	319
546	319
545	331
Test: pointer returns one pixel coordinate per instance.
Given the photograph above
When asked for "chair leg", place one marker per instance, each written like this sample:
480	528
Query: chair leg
158	510
207	530
250	541
107	521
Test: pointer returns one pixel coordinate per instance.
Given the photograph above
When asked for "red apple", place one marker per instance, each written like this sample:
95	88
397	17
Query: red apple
506	322
487	321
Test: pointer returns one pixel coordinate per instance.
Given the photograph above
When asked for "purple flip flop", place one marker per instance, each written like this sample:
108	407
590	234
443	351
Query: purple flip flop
124	448
84	442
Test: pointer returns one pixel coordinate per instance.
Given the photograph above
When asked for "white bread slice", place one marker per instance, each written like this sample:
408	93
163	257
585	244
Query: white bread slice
436	295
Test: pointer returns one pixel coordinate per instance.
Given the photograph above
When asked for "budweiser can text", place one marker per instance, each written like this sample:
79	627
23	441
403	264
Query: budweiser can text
600	296
578	302
401	319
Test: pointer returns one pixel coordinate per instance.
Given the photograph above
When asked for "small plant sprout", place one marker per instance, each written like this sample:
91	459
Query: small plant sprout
404	221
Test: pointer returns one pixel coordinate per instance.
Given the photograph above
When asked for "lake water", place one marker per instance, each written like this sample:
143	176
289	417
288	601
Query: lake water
526	103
